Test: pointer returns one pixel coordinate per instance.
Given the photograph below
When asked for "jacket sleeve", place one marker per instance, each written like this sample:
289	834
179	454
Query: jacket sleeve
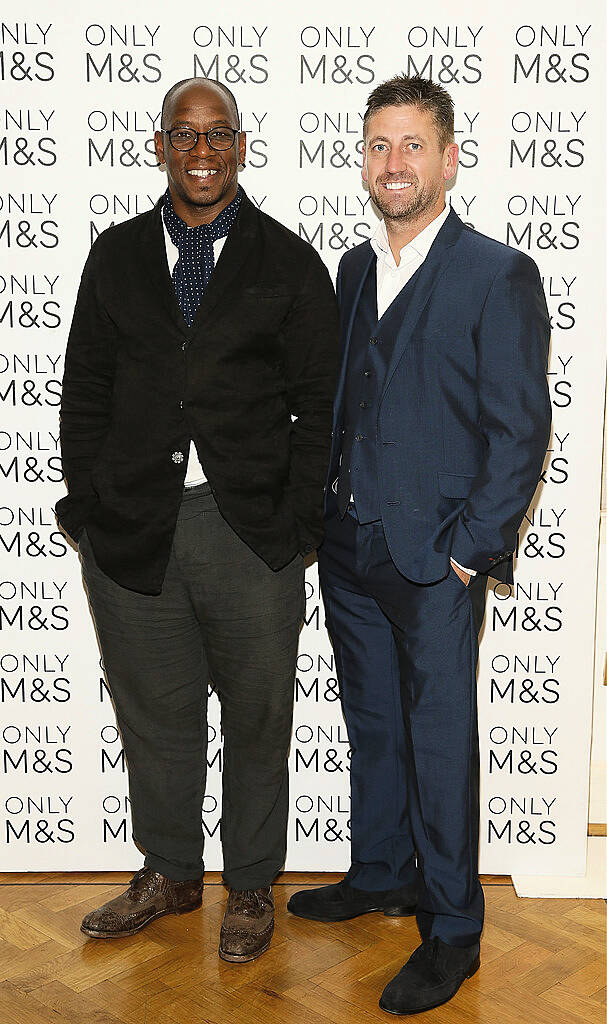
512	356
86	397
311	339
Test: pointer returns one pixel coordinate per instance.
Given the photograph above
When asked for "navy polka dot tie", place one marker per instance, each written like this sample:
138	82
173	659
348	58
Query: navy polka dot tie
196	261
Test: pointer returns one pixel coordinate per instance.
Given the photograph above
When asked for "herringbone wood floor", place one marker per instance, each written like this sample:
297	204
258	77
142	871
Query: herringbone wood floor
543	961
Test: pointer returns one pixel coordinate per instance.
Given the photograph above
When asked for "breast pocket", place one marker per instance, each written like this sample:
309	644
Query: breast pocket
265	292
262	309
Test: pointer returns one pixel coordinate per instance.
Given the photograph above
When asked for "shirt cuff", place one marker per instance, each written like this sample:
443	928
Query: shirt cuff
471	572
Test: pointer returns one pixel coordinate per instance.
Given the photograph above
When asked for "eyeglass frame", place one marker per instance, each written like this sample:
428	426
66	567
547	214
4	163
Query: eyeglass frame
199	135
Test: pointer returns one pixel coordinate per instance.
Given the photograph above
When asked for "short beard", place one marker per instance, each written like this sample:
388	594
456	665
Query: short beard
409	211
200	203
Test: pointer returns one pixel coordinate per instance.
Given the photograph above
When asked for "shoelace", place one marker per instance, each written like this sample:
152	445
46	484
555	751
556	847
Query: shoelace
140	883
251	896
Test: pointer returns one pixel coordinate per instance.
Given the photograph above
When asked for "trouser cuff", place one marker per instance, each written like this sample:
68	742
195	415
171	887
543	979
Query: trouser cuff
176	872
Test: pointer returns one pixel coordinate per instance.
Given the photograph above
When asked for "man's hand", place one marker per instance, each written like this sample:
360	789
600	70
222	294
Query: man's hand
464	576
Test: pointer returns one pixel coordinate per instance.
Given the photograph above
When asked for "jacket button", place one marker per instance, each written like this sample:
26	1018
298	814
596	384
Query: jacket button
363	405
359	437
373	341
177	457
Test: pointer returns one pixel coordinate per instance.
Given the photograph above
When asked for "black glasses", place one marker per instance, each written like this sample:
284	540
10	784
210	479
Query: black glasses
184	139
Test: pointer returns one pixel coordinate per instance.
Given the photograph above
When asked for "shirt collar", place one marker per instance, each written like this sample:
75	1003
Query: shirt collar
416	248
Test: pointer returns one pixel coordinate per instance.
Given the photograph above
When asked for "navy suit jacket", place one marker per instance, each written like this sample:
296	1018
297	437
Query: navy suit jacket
464	414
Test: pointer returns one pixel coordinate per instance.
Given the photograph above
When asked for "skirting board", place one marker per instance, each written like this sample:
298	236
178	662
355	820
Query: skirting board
593	885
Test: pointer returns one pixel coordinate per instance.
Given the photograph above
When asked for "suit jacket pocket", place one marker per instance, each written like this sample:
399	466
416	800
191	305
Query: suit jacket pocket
455	485
263	292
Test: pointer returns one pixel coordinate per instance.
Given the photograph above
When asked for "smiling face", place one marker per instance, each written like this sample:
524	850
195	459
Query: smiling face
203	181
405	165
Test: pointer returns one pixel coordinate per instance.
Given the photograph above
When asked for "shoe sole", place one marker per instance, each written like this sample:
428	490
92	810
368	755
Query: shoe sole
432	1006
243	958
387	912
92	934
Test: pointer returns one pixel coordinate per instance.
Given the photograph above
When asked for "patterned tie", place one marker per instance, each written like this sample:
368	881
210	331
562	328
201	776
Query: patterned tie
196	261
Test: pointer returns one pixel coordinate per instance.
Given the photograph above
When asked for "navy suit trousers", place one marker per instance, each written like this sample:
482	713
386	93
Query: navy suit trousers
406	657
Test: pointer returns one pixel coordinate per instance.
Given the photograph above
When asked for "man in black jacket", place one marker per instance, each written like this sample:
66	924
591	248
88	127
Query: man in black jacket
195	426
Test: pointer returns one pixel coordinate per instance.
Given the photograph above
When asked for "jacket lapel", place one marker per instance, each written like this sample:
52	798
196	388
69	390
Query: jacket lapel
349	298
427	279
234	254
159	282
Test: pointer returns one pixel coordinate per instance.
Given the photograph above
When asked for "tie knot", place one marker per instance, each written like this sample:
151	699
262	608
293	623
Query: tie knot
180	233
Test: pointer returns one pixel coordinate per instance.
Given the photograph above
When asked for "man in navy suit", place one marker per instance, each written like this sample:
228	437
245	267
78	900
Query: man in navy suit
440	428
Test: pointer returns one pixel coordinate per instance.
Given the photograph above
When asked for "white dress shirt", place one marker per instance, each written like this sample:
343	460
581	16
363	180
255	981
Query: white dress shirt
194	473
391	279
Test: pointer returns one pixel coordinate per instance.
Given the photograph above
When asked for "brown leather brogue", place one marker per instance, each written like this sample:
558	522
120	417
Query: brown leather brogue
149	895
248	924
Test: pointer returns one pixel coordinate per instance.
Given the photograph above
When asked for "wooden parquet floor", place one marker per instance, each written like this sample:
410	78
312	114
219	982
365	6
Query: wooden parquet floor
543	962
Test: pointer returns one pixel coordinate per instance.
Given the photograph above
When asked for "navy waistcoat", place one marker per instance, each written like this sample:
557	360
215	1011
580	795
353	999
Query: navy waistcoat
371	346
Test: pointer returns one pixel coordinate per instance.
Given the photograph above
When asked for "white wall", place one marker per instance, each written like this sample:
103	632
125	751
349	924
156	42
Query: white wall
527	81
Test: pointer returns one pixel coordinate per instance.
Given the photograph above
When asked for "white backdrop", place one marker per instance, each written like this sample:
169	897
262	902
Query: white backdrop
81	97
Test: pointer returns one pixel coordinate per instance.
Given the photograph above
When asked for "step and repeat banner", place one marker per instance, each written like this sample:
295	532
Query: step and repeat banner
80	100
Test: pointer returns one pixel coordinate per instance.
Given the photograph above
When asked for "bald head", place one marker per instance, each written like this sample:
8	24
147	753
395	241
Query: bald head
202	84
200	106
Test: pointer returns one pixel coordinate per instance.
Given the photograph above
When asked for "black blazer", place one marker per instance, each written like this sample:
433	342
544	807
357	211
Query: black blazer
139	385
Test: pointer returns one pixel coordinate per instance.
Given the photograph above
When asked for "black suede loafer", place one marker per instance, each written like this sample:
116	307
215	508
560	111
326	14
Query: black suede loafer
341	901
431	976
